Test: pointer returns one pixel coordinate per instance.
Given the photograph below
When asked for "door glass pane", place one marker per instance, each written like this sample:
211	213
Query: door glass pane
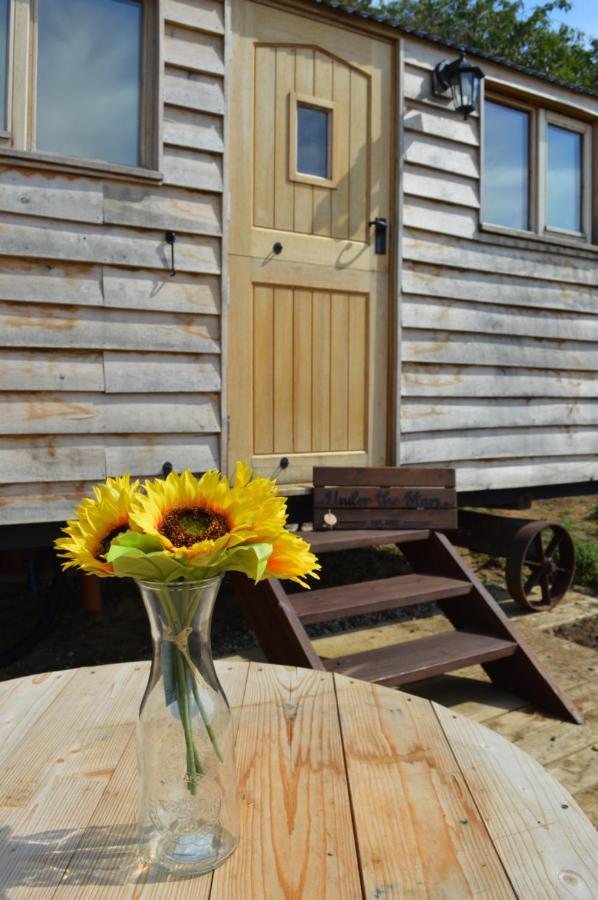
3	59
564	179
88	82
312	141
506	166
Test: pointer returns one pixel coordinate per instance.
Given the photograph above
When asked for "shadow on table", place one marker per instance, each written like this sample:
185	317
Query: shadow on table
104	855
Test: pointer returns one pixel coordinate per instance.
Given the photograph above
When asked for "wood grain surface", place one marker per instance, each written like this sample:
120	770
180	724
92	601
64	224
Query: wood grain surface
347	789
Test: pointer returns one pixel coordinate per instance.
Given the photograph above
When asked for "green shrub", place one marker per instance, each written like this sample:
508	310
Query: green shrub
586	571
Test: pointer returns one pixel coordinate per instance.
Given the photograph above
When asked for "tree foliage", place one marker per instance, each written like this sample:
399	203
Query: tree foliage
502	28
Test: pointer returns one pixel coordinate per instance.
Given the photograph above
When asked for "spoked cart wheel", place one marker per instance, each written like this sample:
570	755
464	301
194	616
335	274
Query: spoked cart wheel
540	565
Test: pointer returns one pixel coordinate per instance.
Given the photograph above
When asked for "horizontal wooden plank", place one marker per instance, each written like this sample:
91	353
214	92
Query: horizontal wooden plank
417	85
69	327
430	215
504	290
441	124
154	208
193	130
144	455
193	91
443	414
382	476
422	57
329	541
493	381
36	282
139	289
42	239
375	498
44	460
497	443
80	413
414	660
483	318
434	153
160	372
388	518
375	596
189	168
420	182
501	260
43	370
31	193
193	50
205	15
35	459
497	350
524	473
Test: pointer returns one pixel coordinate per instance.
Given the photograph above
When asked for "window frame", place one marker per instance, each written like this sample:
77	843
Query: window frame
328	106
540	118
548	117
17	141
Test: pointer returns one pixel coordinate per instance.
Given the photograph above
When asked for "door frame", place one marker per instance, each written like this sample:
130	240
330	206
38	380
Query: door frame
372	29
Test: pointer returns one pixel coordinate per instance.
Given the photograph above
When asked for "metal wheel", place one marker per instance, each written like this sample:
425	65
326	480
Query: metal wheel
541	565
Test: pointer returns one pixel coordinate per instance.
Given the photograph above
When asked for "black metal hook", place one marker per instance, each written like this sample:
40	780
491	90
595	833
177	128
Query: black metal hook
170	238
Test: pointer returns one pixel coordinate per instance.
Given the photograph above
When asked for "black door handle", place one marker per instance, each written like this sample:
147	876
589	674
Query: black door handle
381	227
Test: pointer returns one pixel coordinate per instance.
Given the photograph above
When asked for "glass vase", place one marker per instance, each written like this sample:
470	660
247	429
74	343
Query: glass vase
188	803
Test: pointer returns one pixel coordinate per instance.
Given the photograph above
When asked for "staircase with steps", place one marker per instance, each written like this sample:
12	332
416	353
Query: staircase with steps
482	633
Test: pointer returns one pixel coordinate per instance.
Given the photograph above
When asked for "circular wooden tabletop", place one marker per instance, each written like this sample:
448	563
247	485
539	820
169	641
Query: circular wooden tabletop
348	790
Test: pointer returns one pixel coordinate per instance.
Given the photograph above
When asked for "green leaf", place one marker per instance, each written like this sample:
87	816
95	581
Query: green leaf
148	543
251	559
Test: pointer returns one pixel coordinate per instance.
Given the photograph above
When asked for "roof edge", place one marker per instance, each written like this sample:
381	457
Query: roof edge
393	22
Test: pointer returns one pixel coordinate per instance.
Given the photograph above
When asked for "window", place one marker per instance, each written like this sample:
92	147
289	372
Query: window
77	81
311	140
4	31
537	170
313	129
506	166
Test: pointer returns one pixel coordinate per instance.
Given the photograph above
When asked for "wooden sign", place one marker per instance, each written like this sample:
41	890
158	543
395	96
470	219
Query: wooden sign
389	497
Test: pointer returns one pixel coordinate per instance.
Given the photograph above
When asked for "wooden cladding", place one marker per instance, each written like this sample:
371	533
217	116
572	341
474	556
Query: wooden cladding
384	497
339	209
310	370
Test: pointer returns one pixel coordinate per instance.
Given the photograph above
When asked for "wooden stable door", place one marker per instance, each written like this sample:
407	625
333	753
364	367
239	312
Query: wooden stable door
310	137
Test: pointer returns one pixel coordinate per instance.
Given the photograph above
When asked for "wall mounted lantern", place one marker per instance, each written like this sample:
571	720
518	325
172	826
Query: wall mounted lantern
462	79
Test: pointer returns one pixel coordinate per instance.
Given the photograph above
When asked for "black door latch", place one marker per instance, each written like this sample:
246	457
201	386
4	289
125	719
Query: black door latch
381	228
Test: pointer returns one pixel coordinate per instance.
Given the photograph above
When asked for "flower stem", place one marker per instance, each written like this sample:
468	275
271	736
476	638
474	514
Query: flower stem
201	707
183	698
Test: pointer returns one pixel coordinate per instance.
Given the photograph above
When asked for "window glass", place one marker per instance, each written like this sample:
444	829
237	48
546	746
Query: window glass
3	59
88	82
563	179
313	128
506	166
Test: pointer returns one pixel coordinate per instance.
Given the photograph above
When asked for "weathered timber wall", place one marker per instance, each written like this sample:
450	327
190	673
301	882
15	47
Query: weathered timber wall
499	346
108	364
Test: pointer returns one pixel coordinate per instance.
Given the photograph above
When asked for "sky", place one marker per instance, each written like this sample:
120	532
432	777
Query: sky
584	16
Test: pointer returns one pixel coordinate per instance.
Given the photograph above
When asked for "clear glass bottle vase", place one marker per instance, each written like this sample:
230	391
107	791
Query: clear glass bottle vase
188	803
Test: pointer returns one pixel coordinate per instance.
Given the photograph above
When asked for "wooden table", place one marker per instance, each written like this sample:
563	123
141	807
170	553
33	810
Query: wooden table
347	789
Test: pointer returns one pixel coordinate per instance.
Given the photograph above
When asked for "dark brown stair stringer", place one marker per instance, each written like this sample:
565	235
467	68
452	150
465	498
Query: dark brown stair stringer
522	673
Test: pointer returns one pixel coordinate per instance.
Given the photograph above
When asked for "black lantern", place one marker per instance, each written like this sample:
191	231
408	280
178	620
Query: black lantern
462	79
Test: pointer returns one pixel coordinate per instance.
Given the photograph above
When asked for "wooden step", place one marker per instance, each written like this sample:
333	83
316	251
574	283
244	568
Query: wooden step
326	541
374	596
414	660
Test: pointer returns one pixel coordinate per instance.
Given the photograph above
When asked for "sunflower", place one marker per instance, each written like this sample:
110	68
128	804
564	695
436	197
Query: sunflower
98	521
292	558
202	518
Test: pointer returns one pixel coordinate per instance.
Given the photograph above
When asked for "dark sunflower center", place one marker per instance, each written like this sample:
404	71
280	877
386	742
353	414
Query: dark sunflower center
190	524
104	545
